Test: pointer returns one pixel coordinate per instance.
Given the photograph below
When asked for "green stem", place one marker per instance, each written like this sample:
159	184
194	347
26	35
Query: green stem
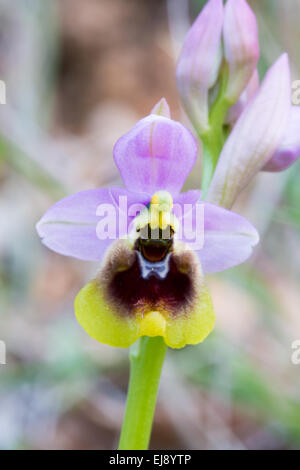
212	143
214	138
146	360
222	104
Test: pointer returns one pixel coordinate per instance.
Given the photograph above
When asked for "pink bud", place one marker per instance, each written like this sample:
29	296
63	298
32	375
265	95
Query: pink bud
199	63
241	46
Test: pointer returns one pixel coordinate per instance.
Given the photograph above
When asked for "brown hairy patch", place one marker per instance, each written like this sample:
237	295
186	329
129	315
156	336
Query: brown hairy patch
121	280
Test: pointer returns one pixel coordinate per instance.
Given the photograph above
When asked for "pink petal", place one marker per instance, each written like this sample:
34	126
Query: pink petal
184	204
227	239
129	204
69	226
289	149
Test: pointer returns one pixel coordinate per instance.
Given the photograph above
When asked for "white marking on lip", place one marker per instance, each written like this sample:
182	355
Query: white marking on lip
161	268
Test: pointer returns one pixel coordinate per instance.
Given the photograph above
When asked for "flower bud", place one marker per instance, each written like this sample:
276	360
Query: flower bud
199	63
162	108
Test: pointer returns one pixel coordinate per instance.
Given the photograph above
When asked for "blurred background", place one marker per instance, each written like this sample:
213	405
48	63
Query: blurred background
80	73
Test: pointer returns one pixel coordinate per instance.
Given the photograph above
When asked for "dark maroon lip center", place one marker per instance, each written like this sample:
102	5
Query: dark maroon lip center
130	289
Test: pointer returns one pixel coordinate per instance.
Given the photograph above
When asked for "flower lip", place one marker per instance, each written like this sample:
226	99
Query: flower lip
147	286
120	305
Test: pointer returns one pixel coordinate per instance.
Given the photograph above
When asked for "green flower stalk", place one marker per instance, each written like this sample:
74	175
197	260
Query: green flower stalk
146	360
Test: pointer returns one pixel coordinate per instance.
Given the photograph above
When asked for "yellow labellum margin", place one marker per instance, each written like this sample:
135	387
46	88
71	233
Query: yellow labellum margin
103	320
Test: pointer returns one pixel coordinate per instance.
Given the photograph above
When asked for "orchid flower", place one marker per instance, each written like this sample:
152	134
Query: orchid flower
148	285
